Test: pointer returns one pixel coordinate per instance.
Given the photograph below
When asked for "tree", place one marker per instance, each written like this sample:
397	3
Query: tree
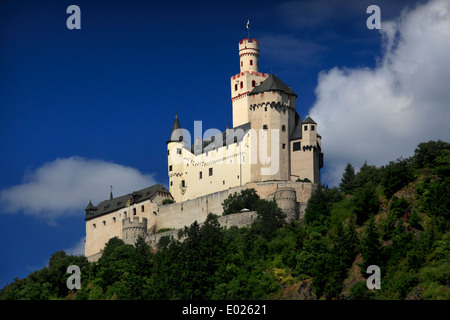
365	203
347	184
426	153
236	202
370	246
317	212
269	218
395	176
366	174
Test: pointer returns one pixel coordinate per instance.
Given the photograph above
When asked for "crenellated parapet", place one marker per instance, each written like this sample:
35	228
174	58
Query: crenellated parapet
132	229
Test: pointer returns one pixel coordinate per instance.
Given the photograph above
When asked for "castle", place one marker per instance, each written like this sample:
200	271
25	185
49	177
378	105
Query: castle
270	148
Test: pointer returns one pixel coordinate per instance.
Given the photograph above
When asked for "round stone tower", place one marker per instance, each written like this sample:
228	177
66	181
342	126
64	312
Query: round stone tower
132	229
286	199
249	55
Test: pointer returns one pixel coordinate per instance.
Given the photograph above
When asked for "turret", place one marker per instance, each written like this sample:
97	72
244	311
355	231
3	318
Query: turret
175	146
132	229
249	55
246	80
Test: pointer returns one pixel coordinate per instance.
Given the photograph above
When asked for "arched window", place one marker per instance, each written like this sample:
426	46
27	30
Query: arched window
242	84
253	83
114	219
283	128
235	87
142	208
251	62
134	211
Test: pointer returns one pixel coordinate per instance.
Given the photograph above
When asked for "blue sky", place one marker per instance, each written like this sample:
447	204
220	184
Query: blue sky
86	109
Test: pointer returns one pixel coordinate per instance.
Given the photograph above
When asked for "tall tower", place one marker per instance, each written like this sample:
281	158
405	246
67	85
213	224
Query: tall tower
175	160
248	78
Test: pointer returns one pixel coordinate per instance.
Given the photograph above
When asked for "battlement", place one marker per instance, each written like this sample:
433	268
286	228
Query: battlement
133	223
253	73
132	229
247	41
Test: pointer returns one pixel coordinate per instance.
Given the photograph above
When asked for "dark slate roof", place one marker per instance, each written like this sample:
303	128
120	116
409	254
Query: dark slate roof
176	125
297	132
224	138
272	83
309	120
114	204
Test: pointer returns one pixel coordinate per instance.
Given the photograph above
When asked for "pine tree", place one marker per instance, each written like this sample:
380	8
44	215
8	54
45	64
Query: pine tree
347	184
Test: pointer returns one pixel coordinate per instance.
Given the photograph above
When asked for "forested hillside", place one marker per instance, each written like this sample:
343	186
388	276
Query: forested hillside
395	216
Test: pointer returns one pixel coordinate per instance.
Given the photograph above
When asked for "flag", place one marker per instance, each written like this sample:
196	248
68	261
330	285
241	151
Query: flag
248	24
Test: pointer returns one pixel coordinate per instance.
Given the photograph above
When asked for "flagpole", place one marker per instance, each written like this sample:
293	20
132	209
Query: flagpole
248	29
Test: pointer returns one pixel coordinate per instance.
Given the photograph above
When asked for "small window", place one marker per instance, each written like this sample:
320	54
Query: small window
283	128
134	211
114	219
170	168
312	128
171	183
235	87
183	183
265	127
200	175
210	171
242	84
168	152
305	128
142	208
223	182
104	222
242	63
296	146
178	150
124	215
251	62
253	83
94	225
265	108
180	138
284	146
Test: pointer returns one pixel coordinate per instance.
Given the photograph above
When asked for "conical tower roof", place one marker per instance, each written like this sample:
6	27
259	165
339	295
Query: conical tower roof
176	125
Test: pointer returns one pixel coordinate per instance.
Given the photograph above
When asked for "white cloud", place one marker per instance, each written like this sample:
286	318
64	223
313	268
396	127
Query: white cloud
77	249
378	115
65	186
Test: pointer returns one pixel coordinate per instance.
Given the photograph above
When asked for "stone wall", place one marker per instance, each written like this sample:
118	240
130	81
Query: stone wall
237	219
178	215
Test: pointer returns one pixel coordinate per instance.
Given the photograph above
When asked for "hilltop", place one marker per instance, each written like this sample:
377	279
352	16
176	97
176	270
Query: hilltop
395	216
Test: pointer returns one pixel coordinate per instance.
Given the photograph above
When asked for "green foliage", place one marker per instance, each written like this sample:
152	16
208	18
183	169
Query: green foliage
366	203
269	218
247	199
395	176
317	213
399	206
347	184
164	230
167	201
427	153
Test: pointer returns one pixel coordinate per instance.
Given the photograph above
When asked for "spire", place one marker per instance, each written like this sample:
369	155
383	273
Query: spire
176	126
111	195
